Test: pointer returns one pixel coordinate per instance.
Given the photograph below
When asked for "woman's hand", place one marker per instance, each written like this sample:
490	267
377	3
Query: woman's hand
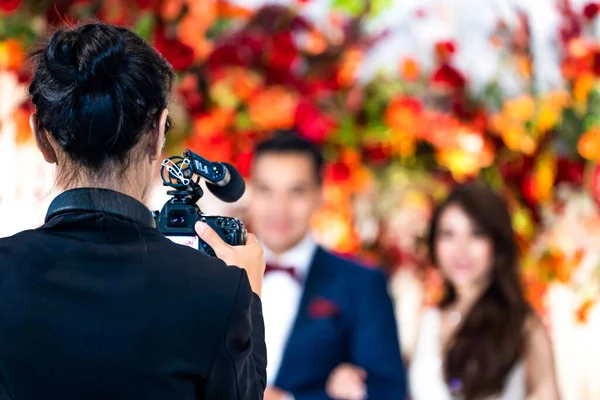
249	256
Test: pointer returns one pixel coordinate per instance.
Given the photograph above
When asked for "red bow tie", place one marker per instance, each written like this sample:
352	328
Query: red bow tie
288	270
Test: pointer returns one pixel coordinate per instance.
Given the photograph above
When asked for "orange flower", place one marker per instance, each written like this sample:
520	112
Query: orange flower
402	115
349	65
589	145
12	54
23	131
359	177
510	124
536	294
333	224
582	87
439	129
410	69
521	108
273	108
171	8
578	48
316	43
524	66
584	310
334	229
214	123
227	10
221	147
192	29
244	83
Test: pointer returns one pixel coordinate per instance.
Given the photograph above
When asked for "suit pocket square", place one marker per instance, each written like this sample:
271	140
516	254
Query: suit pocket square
320	307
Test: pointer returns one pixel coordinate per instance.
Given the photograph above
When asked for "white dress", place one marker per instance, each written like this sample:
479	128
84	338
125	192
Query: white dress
426	376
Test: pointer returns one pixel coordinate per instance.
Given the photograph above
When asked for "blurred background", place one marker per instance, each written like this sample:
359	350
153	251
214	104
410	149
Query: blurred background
405	98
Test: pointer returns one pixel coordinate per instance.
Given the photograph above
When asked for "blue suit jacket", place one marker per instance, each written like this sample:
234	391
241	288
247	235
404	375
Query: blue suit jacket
345	316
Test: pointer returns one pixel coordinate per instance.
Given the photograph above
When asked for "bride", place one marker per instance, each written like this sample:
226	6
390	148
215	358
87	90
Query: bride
483	340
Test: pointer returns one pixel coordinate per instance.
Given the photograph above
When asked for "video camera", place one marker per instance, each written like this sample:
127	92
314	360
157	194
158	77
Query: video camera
178	216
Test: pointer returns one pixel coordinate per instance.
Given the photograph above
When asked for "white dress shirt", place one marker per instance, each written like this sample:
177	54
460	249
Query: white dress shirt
281	295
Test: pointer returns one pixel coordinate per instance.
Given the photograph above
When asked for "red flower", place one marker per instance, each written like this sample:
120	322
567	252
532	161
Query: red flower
311	123
189	90
321	88
144	4
528	189
178	54
242	49
243	161
338	172
377	154
448	77
444	49
596	63
283	51
591	10
8	6
570	171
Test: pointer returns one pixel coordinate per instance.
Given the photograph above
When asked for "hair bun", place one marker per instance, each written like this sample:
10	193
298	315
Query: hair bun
101	55
97	88
91	58
60	59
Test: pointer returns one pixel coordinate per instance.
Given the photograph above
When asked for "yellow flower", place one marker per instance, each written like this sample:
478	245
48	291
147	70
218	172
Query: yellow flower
521	108
551	108
544	175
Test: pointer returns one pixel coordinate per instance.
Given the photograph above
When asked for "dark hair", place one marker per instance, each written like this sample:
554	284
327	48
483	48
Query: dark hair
491	338
96	89
287	142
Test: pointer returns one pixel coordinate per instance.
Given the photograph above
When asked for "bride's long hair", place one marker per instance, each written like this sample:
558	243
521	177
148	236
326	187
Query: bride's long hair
491	338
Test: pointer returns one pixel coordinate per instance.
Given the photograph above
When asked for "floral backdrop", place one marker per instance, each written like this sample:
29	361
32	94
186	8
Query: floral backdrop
401	111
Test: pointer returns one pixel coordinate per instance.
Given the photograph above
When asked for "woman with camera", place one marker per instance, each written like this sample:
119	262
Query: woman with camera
96	303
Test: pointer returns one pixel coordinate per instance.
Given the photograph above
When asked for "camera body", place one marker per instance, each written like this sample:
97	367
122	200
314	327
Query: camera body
177	219
178	216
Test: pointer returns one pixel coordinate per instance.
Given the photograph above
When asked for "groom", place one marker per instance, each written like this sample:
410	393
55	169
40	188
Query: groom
330	327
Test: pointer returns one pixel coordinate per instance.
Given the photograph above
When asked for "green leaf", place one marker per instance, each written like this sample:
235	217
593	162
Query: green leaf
378	6
351	7
346	134
570	130
145	25
376	132
243	121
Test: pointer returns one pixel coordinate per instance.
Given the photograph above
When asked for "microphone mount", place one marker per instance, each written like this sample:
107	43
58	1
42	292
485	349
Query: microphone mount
184	173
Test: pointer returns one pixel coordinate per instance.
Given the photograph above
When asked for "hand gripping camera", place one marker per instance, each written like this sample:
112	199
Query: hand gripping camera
178	216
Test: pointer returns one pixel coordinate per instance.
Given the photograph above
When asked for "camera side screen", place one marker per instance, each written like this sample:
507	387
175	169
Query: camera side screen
190	241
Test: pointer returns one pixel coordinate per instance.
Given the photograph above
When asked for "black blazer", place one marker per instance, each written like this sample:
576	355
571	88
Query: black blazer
97	304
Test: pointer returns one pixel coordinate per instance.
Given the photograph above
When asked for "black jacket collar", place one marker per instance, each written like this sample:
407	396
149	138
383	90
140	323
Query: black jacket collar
82	200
